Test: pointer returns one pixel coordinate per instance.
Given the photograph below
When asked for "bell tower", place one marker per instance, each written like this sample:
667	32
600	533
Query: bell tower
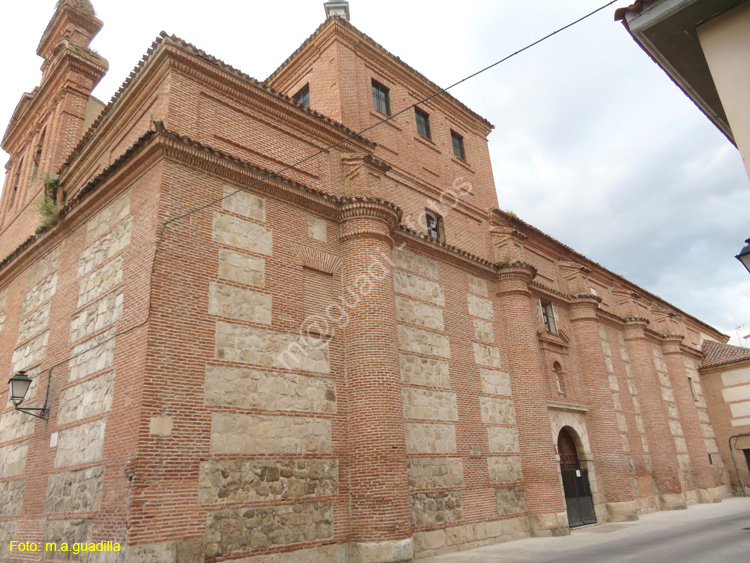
49	121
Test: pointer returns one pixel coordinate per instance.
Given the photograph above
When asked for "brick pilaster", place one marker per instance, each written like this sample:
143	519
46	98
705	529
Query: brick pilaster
691	428
544	495
655	417
609	457
378	479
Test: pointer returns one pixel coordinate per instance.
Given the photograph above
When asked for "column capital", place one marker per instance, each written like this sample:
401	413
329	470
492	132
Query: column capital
515	277
583	306
635	327
671	343
368	217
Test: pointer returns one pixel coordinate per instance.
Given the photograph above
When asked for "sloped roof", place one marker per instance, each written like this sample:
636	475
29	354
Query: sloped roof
166	39
717	354
336	20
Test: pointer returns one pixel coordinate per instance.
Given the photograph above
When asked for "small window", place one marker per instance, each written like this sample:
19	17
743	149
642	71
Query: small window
303	96
39	148
434	225
381	98
423	123
548	316
559	379
458	146
710	459
693	390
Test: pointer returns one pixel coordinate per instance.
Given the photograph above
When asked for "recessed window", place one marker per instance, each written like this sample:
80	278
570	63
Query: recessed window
710	459
458	145
423	123
303	96
381	98
434	225
548	316
39	148
693	390
559	379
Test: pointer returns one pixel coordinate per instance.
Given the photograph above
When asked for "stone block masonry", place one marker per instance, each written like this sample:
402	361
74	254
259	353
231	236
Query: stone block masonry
103	221
11	493
80	444
13	459
100	282
30	353
92	355
418	288
241	268
252	388
435	472
105	248
428	372
424	421
97	316
241	304
433	509
422	342
90	398
75	491
249	345
228	481
430	438
239	233
245	529
429	405
39	294
264	434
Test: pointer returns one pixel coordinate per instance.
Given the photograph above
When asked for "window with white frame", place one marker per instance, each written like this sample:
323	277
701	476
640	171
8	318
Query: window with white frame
548	316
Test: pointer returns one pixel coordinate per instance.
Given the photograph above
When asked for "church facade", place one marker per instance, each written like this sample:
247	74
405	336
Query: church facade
359	358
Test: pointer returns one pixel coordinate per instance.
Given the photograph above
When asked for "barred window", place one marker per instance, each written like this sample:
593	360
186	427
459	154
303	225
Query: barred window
381	98
458	145
303	96
423	123
434	225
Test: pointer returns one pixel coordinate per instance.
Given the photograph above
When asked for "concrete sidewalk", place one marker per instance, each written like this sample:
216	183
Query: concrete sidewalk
702	533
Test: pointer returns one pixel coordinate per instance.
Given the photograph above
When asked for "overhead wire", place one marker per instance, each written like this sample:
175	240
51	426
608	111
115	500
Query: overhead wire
276	174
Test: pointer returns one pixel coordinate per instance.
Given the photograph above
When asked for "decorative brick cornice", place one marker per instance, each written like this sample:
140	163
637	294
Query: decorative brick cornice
514	278
369	218
517	270
673	337
584	306
633	320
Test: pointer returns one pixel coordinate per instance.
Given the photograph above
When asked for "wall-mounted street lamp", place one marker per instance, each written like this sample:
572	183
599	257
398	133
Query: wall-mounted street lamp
19	386
744	255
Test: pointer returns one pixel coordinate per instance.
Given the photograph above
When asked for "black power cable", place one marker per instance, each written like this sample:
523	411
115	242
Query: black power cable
166	223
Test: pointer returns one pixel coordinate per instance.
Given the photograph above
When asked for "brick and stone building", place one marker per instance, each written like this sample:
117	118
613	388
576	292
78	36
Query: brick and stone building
360	358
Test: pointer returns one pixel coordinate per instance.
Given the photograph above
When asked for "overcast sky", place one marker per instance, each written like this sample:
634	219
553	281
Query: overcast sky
593	143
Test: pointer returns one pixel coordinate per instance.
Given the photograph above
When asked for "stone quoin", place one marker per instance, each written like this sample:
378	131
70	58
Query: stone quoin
360	359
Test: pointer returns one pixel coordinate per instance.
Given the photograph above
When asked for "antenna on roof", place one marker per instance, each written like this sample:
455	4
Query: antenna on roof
340	9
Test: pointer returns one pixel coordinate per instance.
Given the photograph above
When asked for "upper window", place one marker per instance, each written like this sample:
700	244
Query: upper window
458	145
303	96
381	98
423	123
39	148
548	316
434	225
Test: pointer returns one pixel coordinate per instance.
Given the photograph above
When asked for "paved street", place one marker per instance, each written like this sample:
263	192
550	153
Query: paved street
704	533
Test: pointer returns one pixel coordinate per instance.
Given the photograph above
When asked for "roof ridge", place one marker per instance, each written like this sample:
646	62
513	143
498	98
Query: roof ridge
341	21
165	38
513	218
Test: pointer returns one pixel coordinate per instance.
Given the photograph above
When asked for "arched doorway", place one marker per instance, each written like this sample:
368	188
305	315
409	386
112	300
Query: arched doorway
575	480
